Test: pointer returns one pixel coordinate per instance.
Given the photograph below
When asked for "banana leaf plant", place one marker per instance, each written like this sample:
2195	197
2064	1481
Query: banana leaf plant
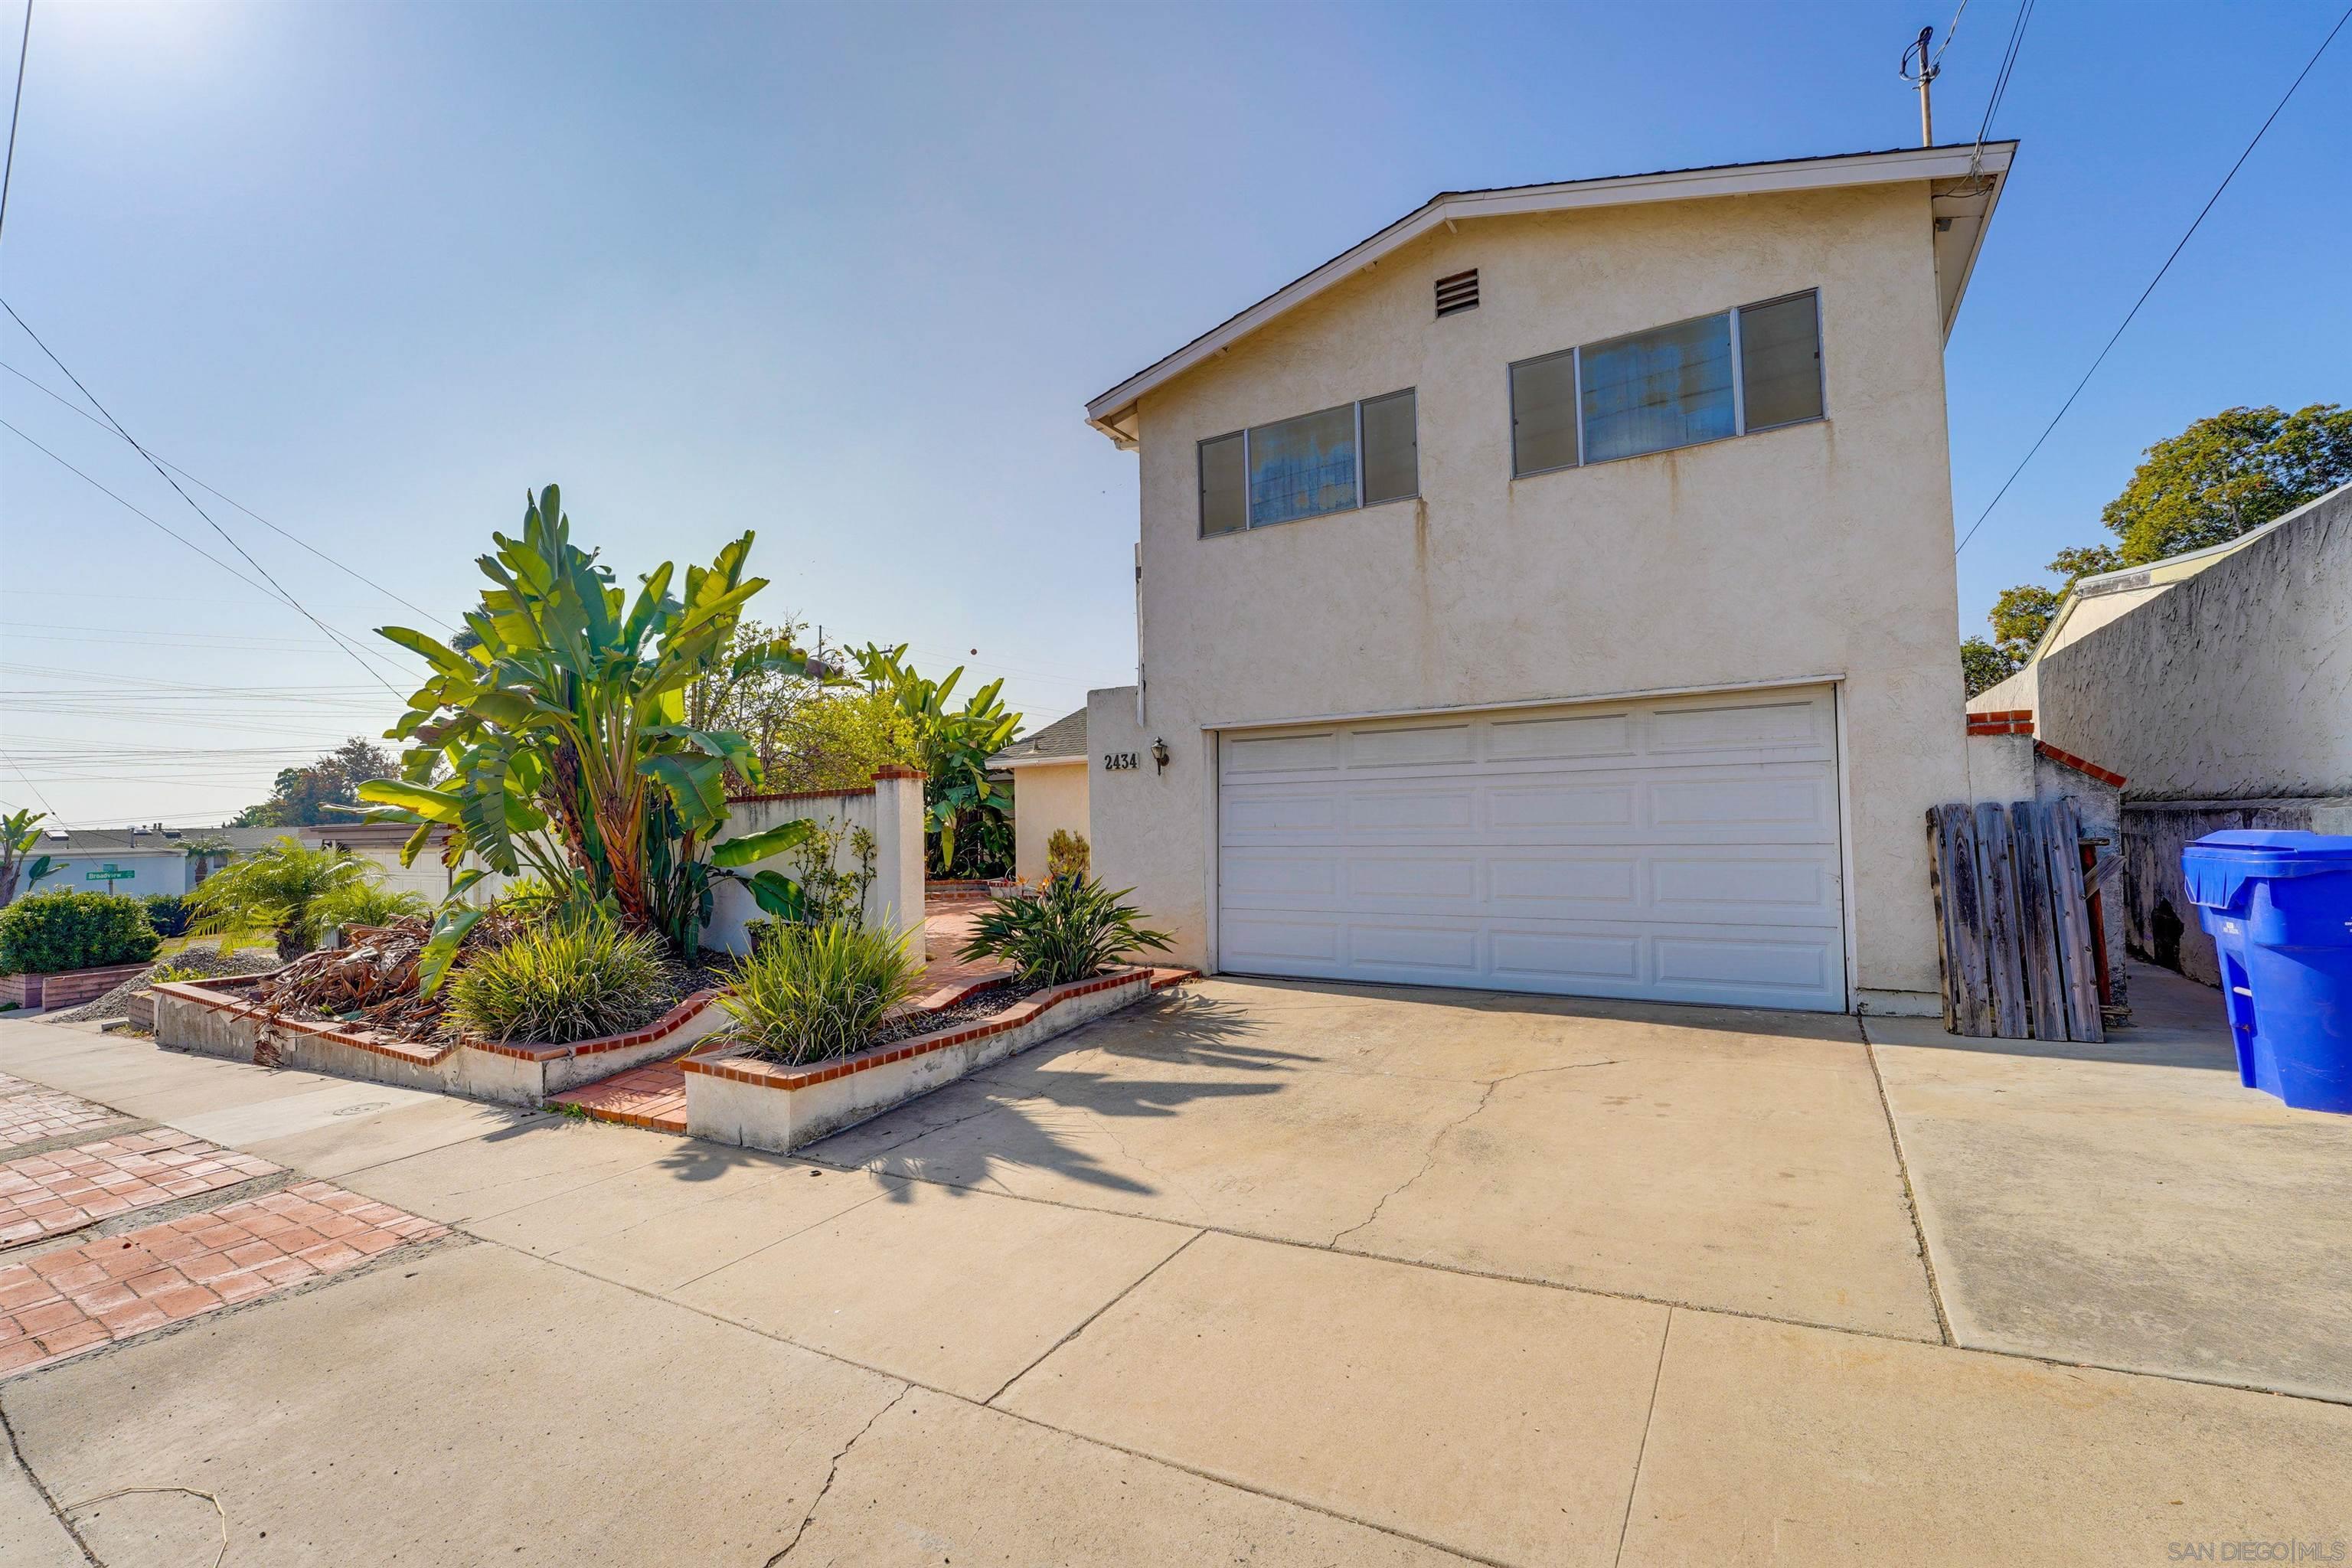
20	834
556	742
955	743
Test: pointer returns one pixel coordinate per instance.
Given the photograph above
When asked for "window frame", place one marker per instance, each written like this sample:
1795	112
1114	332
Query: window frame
1739	426
1356	406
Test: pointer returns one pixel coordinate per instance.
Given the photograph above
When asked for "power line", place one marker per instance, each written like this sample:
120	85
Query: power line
30	784
2152	282
68	404
174	534
185	496
16	108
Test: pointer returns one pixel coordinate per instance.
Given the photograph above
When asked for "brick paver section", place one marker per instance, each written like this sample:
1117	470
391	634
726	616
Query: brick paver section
77	1297
41	1194
652	1096
31	1114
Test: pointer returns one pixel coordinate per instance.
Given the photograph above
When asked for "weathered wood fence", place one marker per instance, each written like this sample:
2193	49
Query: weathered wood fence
2020	955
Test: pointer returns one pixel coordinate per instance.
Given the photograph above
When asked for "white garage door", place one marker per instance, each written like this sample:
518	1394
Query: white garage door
1680	851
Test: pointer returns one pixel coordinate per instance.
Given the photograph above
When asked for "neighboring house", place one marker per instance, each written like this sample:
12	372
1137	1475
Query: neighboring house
381	844
1554	593
1049	773
137	861
2218	684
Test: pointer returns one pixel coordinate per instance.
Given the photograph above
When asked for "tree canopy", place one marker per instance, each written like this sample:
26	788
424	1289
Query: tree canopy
2224	476
305	797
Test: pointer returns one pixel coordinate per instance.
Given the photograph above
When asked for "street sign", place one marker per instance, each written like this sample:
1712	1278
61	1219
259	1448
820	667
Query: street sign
112	873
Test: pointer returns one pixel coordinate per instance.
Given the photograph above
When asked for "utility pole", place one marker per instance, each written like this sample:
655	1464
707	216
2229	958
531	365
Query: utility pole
1923	77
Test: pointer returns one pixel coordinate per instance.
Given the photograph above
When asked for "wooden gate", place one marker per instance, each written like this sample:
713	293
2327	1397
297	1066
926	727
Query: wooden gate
2020	955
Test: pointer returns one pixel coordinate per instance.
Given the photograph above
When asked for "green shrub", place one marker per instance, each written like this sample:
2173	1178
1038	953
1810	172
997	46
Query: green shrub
564	981
1068	930
808	994
1066	855
49	933
168	913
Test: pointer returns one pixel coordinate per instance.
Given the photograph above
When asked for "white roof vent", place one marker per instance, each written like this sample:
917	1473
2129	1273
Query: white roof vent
1458	293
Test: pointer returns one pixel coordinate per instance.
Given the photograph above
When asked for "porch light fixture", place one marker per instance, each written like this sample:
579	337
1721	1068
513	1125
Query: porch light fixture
1159	753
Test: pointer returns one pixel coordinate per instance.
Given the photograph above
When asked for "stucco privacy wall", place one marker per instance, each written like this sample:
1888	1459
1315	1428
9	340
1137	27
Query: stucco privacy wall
2237	682
892	810
1822	551
1047	796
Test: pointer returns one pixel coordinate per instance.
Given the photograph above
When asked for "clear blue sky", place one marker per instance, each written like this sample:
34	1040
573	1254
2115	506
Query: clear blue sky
846	274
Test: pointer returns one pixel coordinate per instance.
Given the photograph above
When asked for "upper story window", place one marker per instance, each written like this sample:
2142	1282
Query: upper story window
1750	369
1357	455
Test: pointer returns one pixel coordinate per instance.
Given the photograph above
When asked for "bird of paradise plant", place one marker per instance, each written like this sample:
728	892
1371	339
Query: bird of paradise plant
556	743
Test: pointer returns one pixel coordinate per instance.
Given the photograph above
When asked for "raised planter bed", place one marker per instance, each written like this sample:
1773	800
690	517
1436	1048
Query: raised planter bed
69	989
216	1017
758	1104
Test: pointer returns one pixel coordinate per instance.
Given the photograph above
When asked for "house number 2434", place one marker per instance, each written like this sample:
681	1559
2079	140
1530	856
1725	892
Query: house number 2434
1119	761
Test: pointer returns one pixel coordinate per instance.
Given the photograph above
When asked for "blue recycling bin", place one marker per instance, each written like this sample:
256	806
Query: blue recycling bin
2279	908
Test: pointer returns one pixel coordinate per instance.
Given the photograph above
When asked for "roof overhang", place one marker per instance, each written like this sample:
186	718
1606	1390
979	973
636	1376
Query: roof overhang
1966	181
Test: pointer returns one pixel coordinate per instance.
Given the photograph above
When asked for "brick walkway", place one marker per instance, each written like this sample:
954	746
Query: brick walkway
31	1114
42	1194
68	1300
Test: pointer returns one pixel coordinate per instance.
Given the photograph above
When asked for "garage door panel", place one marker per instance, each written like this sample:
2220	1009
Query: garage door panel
1557	740
1270	875
1564	886
1735	808
1289	809
1739	727
1733	965
1789	891
1548	960
1682	851
1420	879
1439	744
1282	753
1385	811
1421	945
1564	805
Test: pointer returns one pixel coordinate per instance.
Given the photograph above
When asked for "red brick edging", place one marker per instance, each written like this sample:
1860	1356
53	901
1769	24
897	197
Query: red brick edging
774	1075
2069	759
214	996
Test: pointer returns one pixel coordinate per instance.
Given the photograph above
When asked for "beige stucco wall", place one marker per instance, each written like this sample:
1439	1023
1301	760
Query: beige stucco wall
2234	683
1820	551
1046	796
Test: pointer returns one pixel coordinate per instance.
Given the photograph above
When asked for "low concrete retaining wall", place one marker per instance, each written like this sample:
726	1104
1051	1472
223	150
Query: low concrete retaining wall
217	1018
69	989
765	1105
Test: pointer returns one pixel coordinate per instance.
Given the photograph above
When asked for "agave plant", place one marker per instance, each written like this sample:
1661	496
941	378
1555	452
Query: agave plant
1068	930
556	742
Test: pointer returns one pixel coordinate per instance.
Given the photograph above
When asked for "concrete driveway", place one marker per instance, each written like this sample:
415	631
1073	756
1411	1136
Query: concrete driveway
1258	1273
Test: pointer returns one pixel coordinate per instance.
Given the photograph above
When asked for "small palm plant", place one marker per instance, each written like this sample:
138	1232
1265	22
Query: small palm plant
808	994
1071	929
289	890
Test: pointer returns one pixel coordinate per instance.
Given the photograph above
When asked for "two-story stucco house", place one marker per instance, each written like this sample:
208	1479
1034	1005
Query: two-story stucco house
1555	593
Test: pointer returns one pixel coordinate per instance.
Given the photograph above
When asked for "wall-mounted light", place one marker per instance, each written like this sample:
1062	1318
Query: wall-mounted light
1159	753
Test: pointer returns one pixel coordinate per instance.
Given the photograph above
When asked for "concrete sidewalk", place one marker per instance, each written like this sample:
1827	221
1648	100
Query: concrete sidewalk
639	1349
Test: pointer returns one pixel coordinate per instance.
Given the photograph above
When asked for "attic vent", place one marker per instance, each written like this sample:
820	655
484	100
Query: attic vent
1458	293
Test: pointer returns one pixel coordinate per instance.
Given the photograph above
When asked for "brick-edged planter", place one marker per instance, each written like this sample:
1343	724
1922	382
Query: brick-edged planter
139	1011
69	989
966	892
217	1018
765	1105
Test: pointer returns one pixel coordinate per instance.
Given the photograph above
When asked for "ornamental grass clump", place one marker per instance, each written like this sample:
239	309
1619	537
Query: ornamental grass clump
564	981
808	994
1071	929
